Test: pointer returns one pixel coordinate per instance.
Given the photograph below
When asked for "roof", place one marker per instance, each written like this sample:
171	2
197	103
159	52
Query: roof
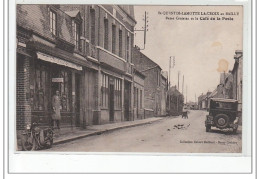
137	50
164	74
74	14
173	91
129	10
224	100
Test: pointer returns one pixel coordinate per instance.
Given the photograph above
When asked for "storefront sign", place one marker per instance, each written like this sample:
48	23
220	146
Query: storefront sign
57	80
58	61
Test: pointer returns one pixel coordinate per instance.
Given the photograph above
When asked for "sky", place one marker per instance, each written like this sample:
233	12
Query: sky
202	48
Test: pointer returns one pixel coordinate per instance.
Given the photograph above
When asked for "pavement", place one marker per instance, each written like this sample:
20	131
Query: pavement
72	133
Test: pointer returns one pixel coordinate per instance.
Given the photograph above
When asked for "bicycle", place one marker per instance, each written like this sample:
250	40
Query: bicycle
35	138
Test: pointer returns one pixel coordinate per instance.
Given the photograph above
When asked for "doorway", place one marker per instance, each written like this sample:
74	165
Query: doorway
77	99
127	100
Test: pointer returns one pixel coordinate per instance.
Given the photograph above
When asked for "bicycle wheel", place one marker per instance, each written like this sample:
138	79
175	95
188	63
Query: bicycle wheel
28	142
49	138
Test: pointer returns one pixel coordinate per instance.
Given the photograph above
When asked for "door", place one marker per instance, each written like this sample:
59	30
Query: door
111	102
127	100
77	99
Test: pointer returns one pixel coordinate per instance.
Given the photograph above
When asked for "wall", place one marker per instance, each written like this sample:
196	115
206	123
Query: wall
23	109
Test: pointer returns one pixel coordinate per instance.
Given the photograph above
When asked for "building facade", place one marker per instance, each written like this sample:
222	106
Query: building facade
85	52
154	88
138	95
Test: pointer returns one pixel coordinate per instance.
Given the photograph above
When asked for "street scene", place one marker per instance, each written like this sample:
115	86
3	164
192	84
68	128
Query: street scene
169	135
126	78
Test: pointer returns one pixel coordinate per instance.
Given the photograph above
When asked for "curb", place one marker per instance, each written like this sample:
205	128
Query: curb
101	132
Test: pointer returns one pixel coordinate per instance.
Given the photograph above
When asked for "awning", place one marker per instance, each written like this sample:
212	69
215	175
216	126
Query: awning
58	61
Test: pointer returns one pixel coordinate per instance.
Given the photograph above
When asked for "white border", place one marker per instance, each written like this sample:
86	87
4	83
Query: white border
133	163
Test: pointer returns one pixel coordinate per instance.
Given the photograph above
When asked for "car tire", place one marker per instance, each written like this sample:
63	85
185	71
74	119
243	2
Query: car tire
235	131
208	127
221	121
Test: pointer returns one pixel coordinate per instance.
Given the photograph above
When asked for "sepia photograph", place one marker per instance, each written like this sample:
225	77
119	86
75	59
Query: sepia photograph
129	78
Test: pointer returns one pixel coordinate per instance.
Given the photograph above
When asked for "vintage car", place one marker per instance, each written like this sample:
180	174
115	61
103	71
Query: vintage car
222	114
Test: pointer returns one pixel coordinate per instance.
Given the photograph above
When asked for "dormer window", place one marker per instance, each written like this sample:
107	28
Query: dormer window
76	27
53	22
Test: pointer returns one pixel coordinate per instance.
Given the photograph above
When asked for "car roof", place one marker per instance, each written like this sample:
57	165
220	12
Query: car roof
224	100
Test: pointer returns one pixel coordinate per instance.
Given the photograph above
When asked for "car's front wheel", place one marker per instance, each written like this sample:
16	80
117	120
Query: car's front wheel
221	121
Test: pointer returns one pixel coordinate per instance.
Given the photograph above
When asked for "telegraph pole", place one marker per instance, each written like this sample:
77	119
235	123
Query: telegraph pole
182	84
144	29
186	93
178	79
171	65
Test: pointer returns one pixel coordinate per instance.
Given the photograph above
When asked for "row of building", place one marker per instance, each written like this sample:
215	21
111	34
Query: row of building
87	53
230	86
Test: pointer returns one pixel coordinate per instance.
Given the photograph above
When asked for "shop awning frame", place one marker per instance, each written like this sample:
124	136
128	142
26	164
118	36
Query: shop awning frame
58	61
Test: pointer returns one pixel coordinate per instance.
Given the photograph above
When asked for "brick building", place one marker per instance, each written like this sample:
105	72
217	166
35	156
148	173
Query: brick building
175	101
154	91
85	52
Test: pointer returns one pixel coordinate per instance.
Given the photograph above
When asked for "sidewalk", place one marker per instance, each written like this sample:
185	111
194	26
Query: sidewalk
70	134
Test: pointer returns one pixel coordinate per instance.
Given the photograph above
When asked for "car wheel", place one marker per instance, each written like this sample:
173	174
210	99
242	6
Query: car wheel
235	131
221	120
208	127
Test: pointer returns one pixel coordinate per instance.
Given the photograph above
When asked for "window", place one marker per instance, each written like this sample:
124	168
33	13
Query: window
127	48
76	34
53	22
92	16
113	38
141	99
120	43
135	97
118	93
106	34
158	78
104	91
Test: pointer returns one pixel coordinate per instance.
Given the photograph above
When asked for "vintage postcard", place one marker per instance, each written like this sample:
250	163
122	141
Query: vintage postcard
129	78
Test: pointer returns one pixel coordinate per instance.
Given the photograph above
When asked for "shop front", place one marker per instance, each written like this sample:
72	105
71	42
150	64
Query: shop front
49	74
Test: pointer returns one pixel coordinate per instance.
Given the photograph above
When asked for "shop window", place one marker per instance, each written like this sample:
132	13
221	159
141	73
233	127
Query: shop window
106	34
104	91
118	93
39	90
113	38
65	90
53	22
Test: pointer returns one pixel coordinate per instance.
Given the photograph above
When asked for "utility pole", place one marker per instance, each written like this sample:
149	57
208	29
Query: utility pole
182	84
145	28
178	79
171	65
186	93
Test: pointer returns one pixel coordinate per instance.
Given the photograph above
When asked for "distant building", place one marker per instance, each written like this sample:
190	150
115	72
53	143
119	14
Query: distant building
203	100
237	73
175	101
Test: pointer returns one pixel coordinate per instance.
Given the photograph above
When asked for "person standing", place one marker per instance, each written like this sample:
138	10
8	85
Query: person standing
56	109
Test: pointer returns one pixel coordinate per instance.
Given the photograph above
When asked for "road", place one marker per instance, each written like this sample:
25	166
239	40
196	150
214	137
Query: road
169	135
